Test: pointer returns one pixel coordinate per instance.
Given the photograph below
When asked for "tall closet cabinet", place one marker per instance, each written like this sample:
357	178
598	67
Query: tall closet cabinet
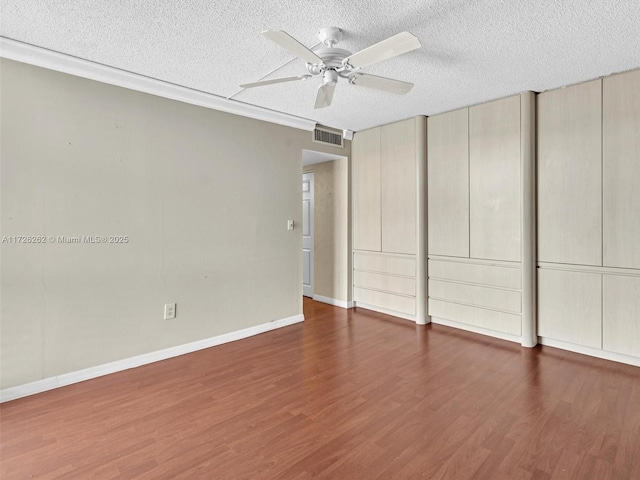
589	216
518	218
388	197
481	206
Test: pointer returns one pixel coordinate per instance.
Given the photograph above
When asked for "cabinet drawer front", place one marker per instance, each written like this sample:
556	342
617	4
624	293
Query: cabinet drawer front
385	264
386	283
478	317
476	295
621	314
388	301
505	277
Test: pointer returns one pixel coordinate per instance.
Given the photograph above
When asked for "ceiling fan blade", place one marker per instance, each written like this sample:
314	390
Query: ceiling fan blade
391	47
381	83
274	80
294	46
325	95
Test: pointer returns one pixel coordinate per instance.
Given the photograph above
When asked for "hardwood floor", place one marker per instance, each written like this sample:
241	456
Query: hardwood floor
344	395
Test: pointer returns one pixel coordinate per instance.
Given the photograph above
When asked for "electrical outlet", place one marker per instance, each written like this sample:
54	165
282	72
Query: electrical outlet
169	311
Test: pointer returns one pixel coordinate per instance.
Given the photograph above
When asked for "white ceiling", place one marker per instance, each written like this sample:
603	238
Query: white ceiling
472	50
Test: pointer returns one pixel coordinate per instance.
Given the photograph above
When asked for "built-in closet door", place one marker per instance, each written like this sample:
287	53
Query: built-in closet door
398	186
448	184
621	170
494	179
389	255
621	314
570	306
365	171
589	215
621	210
475	206
570	175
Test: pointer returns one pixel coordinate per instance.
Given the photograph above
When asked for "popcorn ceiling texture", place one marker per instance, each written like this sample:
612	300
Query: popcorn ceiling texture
472	50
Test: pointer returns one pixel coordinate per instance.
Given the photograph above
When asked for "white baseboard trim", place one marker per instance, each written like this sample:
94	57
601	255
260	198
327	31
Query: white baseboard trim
482	331
592	352
50	383
333	301
59	62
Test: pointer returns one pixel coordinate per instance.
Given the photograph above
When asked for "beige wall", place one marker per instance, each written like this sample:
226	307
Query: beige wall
203	196
331	229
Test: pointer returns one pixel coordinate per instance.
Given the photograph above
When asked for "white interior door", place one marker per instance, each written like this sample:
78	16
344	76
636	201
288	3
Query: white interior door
307	234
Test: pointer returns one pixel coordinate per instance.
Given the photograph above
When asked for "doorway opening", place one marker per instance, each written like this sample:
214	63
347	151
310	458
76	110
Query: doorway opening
326	234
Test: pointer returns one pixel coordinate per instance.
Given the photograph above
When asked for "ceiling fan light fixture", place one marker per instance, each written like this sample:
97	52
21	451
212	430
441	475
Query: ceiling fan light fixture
330	77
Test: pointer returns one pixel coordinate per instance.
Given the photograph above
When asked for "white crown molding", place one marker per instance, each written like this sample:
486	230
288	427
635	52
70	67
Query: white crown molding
58	381
40	57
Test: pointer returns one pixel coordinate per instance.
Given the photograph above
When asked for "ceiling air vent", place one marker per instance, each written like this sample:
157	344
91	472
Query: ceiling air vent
328	136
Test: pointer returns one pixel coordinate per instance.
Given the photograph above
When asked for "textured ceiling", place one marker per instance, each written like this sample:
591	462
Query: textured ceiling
472	50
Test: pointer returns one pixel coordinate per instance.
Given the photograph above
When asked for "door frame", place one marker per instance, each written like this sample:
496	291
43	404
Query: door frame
308	244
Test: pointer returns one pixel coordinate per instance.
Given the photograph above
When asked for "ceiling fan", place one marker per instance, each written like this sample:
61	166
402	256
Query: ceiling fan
332	63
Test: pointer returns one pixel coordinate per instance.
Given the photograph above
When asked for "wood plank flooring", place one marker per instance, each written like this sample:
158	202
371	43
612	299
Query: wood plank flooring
344	395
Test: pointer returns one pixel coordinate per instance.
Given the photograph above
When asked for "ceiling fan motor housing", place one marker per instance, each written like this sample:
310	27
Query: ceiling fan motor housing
331	60
331	57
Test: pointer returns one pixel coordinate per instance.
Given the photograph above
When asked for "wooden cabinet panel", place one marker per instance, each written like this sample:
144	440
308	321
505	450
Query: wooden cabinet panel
385	264
570	307
448	184
385	283
398	187
494	179
387	301
621	314
478	317
485	274
621	170
487	297
365	172
570	175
